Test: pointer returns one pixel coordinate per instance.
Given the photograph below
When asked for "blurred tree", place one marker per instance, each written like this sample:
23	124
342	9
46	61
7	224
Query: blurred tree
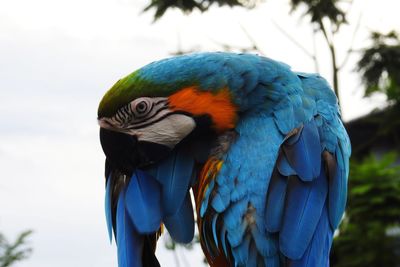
328	18
170	244
10	253
188	6
320	9
380	66
370	233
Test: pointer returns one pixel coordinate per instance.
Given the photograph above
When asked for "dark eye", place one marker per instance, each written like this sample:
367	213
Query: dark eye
141	107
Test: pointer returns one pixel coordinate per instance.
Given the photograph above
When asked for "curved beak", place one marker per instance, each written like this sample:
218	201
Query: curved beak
125	153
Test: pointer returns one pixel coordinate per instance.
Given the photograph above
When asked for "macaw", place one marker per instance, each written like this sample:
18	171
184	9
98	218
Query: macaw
262	148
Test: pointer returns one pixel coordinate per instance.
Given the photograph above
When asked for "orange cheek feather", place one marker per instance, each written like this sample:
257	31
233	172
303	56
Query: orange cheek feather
218	105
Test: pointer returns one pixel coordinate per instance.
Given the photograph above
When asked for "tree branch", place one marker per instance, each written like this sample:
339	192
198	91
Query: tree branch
350	50
296	43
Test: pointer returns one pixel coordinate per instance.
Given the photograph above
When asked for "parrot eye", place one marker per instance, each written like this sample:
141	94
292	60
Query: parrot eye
141	108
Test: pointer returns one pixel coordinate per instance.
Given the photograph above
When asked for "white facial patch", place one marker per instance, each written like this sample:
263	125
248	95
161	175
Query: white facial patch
168	131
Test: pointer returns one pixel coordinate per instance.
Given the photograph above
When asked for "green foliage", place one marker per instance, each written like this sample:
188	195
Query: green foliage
319	9
13	252
189	5
170	244
370	233
380	65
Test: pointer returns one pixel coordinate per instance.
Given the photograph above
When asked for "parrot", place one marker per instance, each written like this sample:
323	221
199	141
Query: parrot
252	152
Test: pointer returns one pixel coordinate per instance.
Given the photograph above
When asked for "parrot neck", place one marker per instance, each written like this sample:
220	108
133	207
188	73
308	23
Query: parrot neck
214	163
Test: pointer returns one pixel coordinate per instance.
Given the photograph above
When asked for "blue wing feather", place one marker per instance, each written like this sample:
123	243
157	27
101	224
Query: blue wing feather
317	253
275	202
175	174
241	251
284	167
304	155
181	224
143	202
337	189
304	204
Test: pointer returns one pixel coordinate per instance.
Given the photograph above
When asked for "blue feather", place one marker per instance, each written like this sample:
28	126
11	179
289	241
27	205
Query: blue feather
241	252
204	203
337	190
143	202
265	242
236	210
304	204
181	224
284	118
275	202
108	208
223	234
272	261
317	253
236	234
304	156
284	167
220	202
214	229
175	174
253	255
129	242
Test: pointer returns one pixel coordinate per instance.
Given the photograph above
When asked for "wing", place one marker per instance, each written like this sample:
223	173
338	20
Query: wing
311	172
281	190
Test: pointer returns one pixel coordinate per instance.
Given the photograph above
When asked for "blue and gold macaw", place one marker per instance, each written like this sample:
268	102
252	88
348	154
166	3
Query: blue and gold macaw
262	147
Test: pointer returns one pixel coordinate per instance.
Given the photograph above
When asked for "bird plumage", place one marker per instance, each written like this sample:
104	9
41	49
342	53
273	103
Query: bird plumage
264	150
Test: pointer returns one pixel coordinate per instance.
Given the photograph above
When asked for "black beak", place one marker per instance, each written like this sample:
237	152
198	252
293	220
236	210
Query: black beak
125	153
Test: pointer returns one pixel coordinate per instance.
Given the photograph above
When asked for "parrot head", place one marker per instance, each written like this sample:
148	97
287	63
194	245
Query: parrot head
144	116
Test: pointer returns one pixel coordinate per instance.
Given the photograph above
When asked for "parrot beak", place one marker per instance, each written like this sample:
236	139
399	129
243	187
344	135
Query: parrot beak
125	153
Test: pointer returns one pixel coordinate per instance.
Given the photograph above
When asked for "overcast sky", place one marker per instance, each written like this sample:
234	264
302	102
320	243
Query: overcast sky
57	58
